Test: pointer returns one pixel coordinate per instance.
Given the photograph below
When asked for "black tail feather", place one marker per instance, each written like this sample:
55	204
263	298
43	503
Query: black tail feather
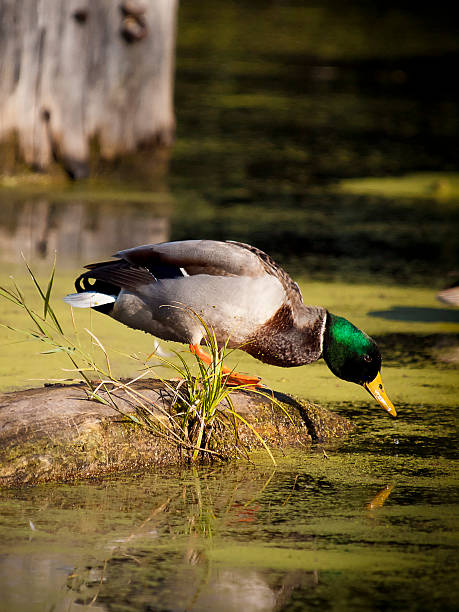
82	284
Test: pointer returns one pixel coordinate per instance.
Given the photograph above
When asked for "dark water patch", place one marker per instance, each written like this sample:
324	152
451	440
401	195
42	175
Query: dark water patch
346	104
262	127
418	350
429	497
395	76
418	434
417	590
418	314
326	235
422	447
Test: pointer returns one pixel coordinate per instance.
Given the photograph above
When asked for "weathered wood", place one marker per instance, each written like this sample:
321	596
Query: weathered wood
78	72
56	433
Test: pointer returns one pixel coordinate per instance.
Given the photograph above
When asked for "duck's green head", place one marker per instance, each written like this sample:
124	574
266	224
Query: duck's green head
352	355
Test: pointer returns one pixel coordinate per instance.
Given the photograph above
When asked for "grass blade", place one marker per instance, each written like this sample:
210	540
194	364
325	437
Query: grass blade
45	297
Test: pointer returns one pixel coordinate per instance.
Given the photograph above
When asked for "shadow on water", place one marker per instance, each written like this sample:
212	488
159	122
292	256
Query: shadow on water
418	314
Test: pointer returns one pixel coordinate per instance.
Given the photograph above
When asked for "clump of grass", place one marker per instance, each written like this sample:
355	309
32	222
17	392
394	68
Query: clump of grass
200	412
203	406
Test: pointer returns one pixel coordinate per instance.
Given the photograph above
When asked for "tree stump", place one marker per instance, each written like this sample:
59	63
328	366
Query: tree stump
85	77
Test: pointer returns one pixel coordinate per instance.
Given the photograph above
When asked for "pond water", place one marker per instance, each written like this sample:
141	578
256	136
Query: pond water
276	110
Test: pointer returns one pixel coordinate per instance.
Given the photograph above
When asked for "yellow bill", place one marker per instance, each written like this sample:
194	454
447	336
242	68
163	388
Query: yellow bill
376	388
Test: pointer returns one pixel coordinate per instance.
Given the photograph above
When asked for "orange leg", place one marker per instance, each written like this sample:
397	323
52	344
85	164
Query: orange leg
234	378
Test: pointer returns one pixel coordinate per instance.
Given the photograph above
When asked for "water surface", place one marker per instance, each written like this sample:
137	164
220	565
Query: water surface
274	109
314	532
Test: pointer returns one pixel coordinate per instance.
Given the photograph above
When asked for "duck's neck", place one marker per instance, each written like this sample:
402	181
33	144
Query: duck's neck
290	338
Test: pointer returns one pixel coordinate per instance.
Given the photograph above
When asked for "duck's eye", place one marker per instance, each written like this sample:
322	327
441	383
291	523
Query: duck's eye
367	358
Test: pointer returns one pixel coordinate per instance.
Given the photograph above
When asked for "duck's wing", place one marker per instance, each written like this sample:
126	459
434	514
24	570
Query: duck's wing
291	288
197	257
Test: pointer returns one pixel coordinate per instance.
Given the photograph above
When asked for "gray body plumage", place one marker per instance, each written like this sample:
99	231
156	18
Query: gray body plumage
167	307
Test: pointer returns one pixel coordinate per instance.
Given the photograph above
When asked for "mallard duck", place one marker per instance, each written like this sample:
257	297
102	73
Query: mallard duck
242	294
